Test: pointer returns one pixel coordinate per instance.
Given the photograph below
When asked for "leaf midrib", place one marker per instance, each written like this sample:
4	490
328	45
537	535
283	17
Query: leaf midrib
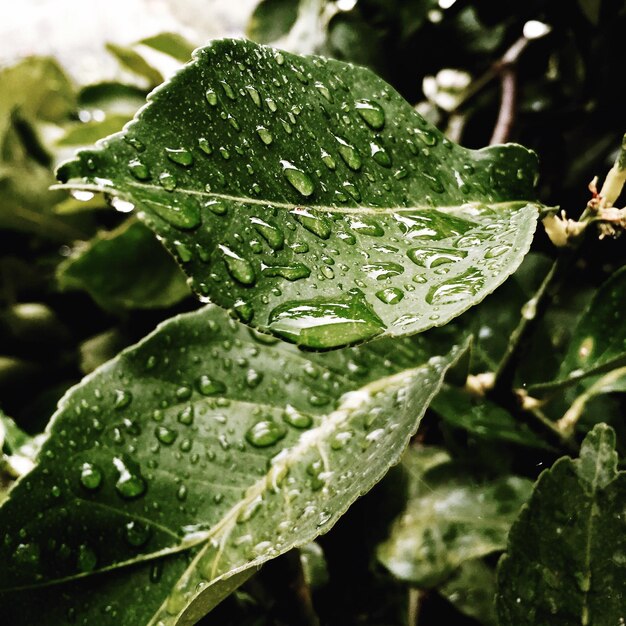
333	421
370	210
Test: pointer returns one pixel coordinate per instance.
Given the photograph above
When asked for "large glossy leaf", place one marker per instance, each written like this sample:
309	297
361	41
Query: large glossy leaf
449	519
309	197
206	436
566	554
126	269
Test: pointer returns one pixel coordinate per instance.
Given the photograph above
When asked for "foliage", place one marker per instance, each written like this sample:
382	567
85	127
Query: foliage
400	397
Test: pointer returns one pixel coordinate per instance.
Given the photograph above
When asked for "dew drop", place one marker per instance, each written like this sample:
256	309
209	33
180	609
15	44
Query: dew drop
165	435
205	146
325	323
349	154
123	206
496	251
167	181
130	484
391	295
254	94
90	476
265	433
371	112
180	156
434	257
265	135
183	251
186	416
272	234
328	160
136	533
296	418
366	227
380	155
383	270
216	206
228	90
456	289
86	559
121	398
208	386
138	169
294	271
239	268
314	223
323	89
211	97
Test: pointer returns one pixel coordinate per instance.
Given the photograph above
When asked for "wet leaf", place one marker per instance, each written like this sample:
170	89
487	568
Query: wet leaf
124	269
566	553
472	589
311	199
599	339
450	519
185	442
483	418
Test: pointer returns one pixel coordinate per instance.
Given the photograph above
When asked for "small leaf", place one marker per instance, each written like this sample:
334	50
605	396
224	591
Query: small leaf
449	519
38	89
567	551
172	44
316	202
272	19
135	62
259	477
599	339
483	418
125	268
471	590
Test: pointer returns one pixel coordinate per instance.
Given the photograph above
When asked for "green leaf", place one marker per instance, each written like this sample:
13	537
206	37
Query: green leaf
599	339
90	132
134	62
471	590
111	97
483	418
172	44
38	89
309	197
449	519
564	564
185	442
272	19
125	268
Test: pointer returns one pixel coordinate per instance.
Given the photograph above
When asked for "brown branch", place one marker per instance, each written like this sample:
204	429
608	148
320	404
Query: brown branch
508	81
506	114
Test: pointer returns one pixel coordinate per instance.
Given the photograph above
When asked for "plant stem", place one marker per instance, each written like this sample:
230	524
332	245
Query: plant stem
567	424
615	179
286	578
414	605
531	311
506	114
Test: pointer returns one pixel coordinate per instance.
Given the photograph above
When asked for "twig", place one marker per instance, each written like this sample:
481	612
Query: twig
530	312
286	579
506	114
567	424
508	99
414	605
